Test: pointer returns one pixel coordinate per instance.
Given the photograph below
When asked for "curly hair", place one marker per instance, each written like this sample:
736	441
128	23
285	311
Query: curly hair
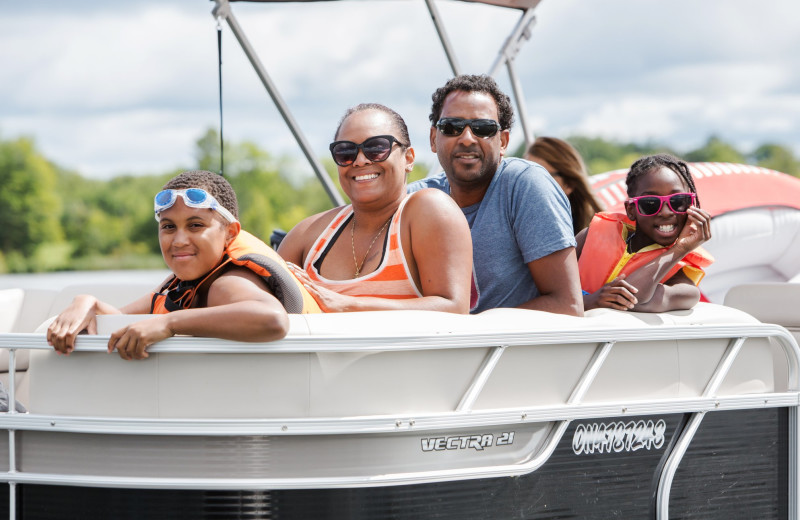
570	167
474	83
214	184
394	116
649	163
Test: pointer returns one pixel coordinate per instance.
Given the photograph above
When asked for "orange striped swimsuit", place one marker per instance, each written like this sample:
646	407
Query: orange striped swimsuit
392	279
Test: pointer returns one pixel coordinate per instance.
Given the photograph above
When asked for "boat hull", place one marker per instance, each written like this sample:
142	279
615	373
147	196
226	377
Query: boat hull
736	467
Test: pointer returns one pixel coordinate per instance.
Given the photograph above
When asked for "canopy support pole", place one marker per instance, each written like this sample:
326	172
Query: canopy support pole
448	49
223	11
508	52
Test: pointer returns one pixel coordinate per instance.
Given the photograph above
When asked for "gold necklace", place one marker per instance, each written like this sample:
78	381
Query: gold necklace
353	244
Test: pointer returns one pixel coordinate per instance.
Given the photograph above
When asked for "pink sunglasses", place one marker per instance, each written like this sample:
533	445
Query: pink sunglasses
648	205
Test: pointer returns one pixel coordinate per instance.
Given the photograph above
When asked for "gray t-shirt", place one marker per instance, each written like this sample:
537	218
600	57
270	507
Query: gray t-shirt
524	216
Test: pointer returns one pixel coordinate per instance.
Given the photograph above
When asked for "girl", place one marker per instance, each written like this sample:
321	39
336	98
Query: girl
648	259
224	283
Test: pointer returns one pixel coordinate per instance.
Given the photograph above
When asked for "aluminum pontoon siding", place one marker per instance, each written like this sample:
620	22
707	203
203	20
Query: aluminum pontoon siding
508	414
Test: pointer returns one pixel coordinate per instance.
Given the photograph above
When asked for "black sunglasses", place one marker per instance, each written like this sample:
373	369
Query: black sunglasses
376	149
453	126
649	205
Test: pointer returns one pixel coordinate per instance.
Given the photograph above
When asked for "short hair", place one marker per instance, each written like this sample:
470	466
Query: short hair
397	120
474	83
214	184
649	163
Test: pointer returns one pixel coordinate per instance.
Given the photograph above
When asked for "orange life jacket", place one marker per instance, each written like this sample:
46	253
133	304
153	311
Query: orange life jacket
604	255
247	251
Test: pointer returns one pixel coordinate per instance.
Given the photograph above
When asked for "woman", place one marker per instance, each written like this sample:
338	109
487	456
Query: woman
225	283
387	250
564	163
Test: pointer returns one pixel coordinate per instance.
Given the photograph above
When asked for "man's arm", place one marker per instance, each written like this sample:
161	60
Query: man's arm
556	276
543	230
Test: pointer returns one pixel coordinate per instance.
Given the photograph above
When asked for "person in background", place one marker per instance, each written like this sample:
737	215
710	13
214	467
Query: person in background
648	259
565	164
387	249
523	242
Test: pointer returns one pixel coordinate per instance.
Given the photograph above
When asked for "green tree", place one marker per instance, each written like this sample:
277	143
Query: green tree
601	155
29	207
715	150
778	158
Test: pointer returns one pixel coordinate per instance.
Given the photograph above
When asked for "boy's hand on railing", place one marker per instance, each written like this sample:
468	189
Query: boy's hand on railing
79	316
131	342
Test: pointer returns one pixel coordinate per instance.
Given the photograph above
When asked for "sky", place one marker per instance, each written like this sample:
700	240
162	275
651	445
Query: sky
110	88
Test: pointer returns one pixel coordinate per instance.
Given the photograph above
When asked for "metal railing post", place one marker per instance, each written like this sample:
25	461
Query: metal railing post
223	11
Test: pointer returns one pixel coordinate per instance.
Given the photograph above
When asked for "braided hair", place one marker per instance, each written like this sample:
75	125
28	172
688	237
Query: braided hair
650	163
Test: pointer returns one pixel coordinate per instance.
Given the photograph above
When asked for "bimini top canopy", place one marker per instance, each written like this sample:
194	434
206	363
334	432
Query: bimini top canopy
512	4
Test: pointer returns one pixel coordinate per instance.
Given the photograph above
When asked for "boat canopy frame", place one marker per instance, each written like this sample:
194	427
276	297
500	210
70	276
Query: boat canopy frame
507	53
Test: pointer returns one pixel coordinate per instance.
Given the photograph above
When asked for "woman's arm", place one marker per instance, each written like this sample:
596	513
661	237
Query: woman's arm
297	242
239	308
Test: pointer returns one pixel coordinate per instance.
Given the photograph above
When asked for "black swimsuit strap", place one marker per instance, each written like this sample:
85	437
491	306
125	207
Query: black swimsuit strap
318	262
185	291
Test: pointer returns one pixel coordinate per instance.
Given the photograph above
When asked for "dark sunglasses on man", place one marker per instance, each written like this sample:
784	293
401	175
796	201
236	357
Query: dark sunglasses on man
376	149
454	126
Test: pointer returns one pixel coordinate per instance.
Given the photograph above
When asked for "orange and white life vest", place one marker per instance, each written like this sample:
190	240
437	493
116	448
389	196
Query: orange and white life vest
604	255
246	251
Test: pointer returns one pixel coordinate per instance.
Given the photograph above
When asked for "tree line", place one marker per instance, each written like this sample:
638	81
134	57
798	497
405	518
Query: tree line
52	218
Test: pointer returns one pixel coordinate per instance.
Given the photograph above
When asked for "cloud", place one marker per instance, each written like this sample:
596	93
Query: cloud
110	87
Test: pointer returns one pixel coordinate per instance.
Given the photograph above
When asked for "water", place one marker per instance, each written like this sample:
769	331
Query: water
61	279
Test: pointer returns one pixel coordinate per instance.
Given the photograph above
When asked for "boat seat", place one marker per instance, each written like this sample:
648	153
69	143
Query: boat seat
760	245
30	310
769	302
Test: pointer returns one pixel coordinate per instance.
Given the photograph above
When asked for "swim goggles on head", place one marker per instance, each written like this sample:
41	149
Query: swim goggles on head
192	197
648	205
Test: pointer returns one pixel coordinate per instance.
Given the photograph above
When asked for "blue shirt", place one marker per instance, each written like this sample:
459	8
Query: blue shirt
523	216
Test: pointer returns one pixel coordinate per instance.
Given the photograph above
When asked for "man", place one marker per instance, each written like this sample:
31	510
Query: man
523	246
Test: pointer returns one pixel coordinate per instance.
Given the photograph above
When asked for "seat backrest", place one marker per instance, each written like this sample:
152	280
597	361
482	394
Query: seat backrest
10	305
117	295
768	302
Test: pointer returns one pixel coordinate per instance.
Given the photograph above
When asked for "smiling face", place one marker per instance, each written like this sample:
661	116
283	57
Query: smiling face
664	227
469	162
193	240
366	181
